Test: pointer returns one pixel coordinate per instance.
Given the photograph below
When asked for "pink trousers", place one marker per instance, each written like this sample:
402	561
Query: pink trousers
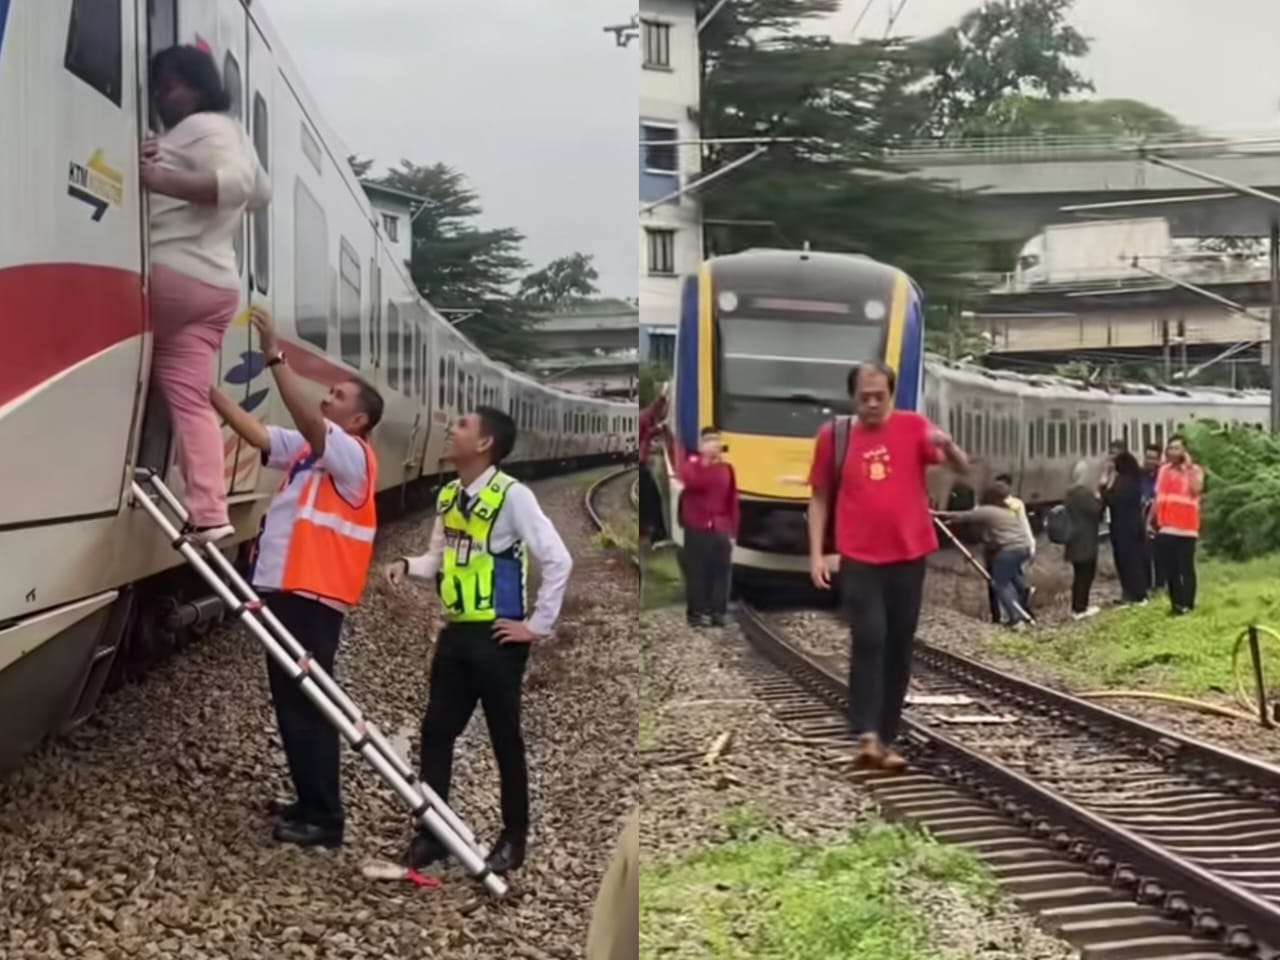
189	318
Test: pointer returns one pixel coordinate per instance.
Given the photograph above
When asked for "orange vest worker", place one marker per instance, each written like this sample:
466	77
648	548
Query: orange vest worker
1177	508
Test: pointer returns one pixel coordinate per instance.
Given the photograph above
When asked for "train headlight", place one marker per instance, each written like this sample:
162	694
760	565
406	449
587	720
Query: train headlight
728	301
874	309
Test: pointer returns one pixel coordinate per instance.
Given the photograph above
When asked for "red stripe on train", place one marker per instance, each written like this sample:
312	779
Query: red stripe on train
55	315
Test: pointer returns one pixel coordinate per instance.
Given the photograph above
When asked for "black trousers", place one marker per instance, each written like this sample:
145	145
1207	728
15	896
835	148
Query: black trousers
1083	573
1178	557
471	667
1159	580
651	521
311	744
708	558
882	602
1132	566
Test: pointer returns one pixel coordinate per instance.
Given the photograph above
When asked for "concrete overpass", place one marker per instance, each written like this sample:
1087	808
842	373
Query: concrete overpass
607	325
615	376
1024	182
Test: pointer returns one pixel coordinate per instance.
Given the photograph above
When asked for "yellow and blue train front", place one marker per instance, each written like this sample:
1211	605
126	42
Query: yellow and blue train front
766	342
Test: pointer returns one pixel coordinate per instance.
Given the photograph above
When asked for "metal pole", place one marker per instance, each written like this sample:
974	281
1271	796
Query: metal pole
1201	175
1256	655
703	181
1275	325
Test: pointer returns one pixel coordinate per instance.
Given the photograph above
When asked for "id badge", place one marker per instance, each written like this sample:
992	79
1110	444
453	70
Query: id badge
463	550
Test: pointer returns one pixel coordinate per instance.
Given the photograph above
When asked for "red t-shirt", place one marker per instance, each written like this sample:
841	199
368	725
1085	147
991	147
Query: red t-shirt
882	510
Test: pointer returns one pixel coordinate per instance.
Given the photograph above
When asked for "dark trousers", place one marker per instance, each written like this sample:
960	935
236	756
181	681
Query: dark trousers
707	560
311	743
1178	556
1008	583
1132	565
651	521
989	555
1155	562
1083	572
882	602
470	666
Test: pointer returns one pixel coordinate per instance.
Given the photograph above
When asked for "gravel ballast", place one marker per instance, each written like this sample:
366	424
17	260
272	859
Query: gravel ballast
145	833
694	693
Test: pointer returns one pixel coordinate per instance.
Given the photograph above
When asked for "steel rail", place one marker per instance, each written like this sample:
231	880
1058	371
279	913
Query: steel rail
1211	906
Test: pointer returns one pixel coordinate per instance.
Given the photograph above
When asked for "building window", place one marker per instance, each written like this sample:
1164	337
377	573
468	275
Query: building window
261	219
349	338
94	46
391	226
662	251
660	149
310	267
657	44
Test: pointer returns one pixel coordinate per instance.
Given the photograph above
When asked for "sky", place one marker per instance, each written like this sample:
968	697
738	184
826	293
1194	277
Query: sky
529	98
1211	64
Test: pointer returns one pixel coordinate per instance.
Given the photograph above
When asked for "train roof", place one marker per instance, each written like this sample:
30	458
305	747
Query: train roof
822	268
1055	385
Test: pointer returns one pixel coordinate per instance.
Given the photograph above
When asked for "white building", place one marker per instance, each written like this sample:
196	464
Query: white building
395	209
670	229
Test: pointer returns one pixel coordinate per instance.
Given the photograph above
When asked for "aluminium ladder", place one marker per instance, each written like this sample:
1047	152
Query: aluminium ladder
319	687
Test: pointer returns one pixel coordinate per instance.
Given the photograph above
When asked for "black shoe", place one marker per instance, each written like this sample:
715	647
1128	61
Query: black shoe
424	851
717	620
506	855
308	834
283	809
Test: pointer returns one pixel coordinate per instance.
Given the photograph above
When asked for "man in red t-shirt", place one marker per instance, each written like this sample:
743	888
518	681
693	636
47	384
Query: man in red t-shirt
883	533
709	515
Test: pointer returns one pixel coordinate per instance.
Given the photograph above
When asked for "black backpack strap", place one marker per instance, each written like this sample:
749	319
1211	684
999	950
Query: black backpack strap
840	437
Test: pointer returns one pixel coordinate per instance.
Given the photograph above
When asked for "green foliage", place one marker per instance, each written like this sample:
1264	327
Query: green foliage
762	896
461	267
846	103
1019	115
563	282
1143	648
652	376
1241	512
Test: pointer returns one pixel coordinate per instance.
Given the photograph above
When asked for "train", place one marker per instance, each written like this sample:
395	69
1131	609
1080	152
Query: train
84	573
765	341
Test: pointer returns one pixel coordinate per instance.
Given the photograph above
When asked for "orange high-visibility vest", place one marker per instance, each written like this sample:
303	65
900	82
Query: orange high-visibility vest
331	543
1177	509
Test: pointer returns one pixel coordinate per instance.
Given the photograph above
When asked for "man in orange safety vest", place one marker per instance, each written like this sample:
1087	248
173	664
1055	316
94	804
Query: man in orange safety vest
1176	521
313	553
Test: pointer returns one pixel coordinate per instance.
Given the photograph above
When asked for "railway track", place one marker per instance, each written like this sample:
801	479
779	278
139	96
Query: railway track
593	501
1128	840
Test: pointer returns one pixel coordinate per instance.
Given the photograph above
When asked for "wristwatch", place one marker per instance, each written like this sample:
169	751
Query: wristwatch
278	358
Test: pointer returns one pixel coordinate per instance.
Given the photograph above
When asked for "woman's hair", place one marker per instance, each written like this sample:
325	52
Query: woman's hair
197	70
1127	465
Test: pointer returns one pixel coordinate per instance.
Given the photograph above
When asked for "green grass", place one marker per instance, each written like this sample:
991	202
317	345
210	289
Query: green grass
763	897
1145	648
661	577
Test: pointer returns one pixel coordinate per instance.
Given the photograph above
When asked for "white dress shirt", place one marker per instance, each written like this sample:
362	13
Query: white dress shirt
520	519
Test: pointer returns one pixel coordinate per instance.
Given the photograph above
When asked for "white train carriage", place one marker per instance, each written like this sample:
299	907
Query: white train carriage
75	557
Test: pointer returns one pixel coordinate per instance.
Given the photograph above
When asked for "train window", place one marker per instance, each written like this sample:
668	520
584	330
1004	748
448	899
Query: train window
375	313
449	383
460	384
310	267
234	86
1073	439
1146	434
94	46
419	358
440	382
260	222
1053	442
1031	439
1094	436
1040	444
349	338
311	148
471	392
393	345
1160	434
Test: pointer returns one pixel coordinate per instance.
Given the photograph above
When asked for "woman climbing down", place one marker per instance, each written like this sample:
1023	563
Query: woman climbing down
202	173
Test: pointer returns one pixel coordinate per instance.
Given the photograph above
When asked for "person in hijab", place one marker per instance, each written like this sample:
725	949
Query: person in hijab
1084	508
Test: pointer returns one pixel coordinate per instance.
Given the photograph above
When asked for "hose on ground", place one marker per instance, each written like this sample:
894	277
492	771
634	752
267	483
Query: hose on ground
1243	696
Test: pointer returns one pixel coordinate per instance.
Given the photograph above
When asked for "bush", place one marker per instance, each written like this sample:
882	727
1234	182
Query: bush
1241	512
652	376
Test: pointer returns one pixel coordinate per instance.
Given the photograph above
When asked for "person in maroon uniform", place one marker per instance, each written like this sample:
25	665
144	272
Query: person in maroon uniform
709	515
883	533
652	526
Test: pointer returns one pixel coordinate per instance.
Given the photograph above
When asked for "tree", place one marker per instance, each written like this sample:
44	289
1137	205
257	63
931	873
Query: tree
458	266
358	166
561	283
1004	48
1019	115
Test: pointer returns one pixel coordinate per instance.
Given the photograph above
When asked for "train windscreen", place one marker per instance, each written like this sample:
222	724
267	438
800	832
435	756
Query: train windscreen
782	363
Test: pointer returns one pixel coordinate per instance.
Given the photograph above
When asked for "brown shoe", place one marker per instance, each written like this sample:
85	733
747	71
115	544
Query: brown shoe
893	762
870	753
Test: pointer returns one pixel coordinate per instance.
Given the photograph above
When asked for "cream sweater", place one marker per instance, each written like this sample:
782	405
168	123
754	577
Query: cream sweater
195	239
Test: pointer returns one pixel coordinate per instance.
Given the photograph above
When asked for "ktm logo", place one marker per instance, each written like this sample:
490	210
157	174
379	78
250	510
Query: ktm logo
96	184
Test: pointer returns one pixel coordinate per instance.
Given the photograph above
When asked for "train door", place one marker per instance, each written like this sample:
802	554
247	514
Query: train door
71	306
244	375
